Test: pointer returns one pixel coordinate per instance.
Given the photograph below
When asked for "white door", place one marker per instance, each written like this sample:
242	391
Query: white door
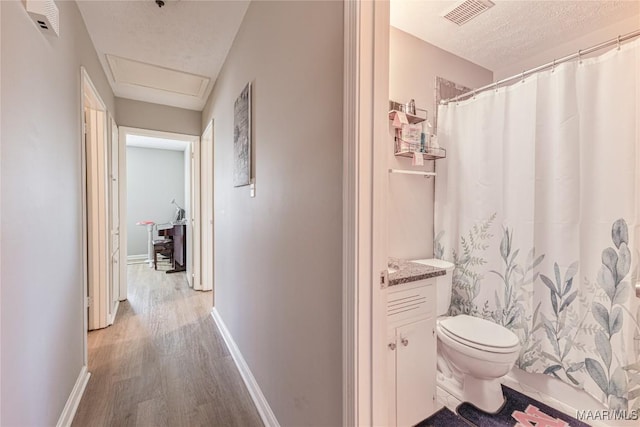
194	221
99	257
415	372
206	212
114	221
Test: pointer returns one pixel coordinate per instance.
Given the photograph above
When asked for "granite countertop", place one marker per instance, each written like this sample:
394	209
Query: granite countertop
402	271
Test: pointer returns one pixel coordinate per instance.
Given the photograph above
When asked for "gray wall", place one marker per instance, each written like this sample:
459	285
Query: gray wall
278	261
144	115
41	211
413	67
154	177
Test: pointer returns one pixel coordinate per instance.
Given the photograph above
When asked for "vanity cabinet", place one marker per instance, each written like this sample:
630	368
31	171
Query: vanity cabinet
411	352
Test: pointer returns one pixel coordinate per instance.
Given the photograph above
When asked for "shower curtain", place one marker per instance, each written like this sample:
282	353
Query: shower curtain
538	206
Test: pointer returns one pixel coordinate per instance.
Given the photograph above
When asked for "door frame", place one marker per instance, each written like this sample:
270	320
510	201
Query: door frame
365	144
114	180
206	206
194	178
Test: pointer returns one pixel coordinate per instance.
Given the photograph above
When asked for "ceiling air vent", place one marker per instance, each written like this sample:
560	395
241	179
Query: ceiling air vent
467	10
45	14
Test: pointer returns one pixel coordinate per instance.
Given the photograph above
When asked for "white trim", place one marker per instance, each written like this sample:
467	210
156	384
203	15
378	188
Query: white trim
112	317
377	121
122	208
141	257
195	212
206	209
122	134
267	415
366	95
69	411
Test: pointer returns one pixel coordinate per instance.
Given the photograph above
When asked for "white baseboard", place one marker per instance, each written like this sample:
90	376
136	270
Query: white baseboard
69	411
115	313
137	259
267	415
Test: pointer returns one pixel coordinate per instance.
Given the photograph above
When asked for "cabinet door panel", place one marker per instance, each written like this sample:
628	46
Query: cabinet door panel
415	372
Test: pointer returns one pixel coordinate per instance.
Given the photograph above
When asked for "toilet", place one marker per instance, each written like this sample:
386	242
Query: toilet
473	353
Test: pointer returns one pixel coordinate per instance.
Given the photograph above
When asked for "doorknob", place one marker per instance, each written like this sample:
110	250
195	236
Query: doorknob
404	341
392	346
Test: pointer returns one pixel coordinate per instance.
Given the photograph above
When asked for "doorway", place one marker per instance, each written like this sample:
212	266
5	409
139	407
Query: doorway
101	240
166	189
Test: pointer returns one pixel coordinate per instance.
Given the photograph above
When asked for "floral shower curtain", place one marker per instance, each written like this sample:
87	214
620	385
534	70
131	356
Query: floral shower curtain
538	206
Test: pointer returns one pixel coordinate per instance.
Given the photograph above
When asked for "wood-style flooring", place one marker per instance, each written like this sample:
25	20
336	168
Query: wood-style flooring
163	362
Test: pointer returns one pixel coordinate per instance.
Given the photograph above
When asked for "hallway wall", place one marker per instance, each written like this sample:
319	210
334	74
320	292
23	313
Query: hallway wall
41	211
144	115
278	262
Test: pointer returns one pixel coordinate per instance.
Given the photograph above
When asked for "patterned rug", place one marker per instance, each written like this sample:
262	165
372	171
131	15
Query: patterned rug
519	410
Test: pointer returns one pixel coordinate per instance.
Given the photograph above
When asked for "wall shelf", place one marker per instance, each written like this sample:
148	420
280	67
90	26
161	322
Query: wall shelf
404	148
407	149
411	172
411	118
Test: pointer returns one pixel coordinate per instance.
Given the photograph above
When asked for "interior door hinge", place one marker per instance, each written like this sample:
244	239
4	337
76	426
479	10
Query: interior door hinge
88	302
384	278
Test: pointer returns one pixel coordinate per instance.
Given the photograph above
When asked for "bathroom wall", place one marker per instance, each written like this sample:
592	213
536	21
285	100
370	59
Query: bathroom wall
278	263
154	177
414	65
41	208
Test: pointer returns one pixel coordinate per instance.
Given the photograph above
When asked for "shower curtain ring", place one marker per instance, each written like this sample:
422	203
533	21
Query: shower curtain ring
618	42
580	56
553	66
523	77
495	86
474	94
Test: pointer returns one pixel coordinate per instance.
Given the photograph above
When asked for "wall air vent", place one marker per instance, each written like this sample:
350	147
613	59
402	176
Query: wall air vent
467	10
45	14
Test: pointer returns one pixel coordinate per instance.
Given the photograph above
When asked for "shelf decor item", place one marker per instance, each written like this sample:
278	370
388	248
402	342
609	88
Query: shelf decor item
242	138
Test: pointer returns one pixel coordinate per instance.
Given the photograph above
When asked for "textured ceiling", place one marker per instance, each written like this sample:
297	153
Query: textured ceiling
512	30
188	36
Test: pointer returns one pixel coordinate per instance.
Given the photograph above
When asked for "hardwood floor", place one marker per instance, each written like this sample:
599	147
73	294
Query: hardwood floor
163	362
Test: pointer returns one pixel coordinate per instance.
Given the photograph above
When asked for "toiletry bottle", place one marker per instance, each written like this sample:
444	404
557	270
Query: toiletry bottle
411	107
426	129
423	137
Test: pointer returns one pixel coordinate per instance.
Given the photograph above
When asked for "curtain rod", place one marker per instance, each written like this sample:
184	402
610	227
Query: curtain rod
553	63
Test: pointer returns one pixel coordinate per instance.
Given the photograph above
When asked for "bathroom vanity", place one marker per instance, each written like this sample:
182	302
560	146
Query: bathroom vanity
411	343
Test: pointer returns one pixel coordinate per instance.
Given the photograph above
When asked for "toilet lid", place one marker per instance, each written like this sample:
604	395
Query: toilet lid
474	330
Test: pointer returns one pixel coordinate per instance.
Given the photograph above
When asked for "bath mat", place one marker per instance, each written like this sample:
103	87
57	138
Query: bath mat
518	408
443	418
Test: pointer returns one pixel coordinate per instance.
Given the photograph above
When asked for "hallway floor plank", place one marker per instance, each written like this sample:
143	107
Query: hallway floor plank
163	362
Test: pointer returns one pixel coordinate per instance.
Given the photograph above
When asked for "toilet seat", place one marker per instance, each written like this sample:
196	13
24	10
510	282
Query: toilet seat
479	334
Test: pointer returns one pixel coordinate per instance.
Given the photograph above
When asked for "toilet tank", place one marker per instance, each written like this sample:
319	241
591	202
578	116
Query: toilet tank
443	283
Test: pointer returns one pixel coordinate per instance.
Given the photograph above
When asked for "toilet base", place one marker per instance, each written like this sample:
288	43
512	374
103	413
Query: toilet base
483	394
